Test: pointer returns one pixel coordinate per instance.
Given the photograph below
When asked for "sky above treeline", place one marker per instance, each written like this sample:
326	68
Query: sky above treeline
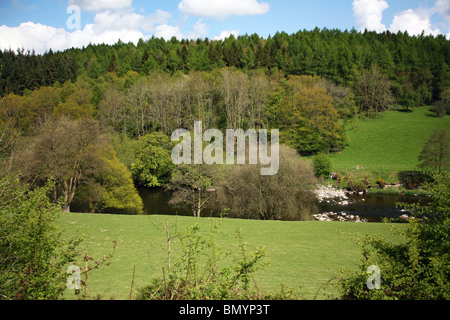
62	24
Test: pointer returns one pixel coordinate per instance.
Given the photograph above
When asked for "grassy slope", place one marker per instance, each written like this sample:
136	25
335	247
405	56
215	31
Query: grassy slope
390	143
300	254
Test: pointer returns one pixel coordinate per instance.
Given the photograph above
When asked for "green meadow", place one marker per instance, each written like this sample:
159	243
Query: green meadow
390	143
303	256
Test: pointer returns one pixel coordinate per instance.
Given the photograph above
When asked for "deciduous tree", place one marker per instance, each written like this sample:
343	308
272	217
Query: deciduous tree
66	151
436	152
287	195
153	165
190	184
374	90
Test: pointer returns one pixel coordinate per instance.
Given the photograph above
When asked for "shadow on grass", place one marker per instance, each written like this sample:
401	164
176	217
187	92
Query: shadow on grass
405	110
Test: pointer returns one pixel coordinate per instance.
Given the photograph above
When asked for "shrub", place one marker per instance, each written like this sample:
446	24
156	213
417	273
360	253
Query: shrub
322	165
417	269
32	251
442	107
357	180
381	183
288	195
152	166
435	154
203	271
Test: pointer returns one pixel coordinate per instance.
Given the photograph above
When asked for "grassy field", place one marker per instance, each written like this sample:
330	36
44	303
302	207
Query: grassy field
301	255
391	143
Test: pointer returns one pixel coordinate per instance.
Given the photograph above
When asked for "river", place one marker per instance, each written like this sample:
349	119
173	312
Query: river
371	207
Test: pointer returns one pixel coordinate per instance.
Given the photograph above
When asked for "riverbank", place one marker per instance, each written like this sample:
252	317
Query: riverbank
388	189
370	206
399	191
347	206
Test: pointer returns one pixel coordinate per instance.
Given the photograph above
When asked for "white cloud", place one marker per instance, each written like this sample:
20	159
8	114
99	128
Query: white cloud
113	20
226	34
89	35
369	14
222	8
443	8
42	38
101	5
160	16
200	30
166	32
414	23
31	36
108	28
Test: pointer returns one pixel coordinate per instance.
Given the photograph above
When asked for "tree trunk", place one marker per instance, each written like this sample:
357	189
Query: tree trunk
66	208
199	208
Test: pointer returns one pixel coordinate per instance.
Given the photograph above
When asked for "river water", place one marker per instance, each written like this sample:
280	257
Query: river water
374	207
371	207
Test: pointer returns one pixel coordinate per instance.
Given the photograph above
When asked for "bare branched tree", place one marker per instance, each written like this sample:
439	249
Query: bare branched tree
66	151
287	195
374	90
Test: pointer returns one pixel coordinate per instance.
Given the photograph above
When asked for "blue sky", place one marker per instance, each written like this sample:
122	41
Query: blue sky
41	25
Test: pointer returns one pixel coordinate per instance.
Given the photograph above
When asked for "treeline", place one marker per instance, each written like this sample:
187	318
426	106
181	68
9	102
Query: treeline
308	110
95	137
417	66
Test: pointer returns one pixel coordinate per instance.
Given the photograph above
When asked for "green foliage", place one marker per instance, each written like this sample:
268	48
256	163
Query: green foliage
442	107
418	268
65	150
153	164
202	270
8	127
190	184
436	152
358	180
119	193
125	148
32	251
417	65
322	165
305	114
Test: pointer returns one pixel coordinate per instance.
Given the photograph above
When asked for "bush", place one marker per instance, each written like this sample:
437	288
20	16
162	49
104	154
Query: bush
203	271
322	165
381	183
288	195
417	269
357	180
152	166
32	251
442	107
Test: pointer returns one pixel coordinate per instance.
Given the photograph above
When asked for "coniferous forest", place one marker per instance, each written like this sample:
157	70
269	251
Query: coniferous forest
417	66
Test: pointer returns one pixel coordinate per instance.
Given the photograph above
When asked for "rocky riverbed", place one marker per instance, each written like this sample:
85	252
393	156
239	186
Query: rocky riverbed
342	216
329	194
